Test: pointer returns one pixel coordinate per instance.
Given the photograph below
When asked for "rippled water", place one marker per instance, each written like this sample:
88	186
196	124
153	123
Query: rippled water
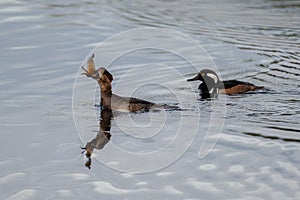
42	47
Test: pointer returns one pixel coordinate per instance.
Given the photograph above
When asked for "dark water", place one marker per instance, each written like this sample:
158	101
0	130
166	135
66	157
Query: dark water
257	154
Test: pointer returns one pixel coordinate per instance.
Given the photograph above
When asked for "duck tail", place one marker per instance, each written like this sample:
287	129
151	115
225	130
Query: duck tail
170	107
257	87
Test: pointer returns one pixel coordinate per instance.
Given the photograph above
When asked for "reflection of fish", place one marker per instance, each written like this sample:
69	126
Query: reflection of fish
113	101
102	137
211	86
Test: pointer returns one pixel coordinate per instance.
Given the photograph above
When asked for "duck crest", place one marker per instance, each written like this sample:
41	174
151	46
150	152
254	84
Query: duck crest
214	77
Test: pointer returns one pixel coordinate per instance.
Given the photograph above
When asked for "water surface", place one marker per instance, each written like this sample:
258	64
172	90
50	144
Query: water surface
42	47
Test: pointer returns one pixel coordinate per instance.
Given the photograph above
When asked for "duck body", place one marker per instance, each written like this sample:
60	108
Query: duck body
211	85
130	104
112	101
236	87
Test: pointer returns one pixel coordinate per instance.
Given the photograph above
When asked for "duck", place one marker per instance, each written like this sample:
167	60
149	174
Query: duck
211	85
112	101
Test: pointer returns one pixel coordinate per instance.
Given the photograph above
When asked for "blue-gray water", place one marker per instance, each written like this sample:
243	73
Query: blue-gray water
42	47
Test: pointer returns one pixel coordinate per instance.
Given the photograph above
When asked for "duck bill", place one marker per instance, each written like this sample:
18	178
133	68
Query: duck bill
196	78
95	76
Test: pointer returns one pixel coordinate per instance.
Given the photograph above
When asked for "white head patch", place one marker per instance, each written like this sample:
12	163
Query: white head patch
213	76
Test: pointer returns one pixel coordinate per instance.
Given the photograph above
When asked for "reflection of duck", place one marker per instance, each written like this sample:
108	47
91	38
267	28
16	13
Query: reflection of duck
102	137
211	86
110	100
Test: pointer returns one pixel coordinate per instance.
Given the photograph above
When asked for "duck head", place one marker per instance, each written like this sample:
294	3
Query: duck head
101	74
104	79
210	81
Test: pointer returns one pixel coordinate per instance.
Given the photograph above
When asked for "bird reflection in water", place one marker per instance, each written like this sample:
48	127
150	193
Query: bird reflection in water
102	137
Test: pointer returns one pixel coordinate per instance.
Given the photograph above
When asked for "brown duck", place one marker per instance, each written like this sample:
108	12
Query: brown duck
113	101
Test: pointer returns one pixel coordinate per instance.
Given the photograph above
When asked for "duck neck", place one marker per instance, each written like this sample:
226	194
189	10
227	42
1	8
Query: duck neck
209	90
106	93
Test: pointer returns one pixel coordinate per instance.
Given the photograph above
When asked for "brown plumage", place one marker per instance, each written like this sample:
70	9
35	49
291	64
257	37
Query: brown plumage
237	87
